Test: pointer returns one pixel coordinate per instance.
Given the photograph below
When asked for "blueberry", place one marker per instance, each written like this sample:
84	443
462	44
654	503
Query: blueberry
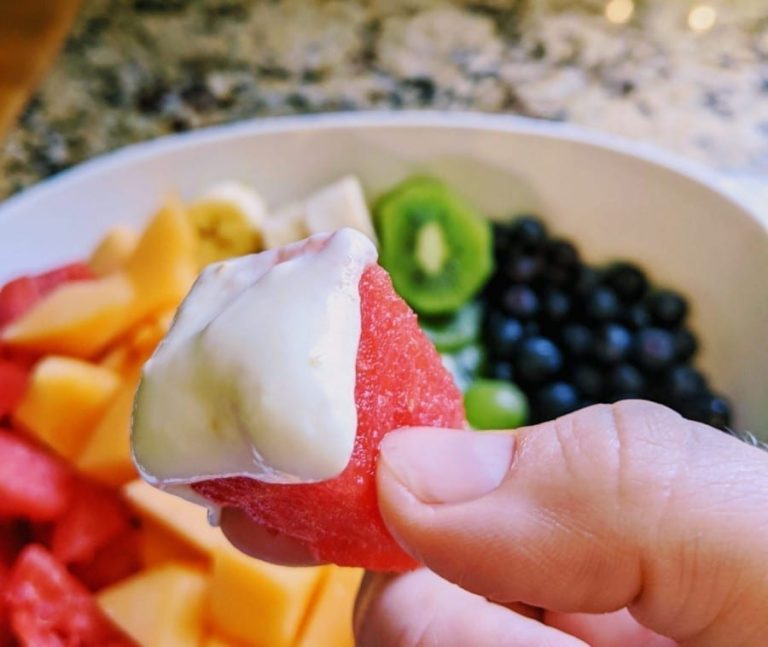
588	380
576	339
537	359
684	382
627	280
686	344
637	316
556	305
523	268
711	409
556	399
654	348
502	334
602	304
502	239
626	381
561	253
520	301
586	281
502	371
531	329
612	343
667	308
528	232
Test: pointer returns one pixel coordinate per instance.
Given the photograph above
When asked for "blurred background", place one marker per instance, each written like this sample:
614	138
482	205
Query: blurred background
81	78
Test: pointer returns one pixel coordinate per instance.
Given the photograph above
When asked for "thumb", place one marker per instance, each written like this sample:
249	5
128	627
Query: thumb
616	506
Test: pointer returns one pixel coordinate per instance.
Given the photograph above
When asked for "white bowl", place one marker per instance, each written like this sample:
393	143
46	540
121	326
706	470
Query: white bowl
616	199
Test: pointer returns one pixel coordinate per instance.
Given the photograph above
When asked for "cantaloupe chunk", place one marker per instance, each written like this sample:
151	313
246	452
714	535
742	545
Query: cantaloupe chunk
164	264
107	454
159	607
330	619
184	520
78	318
158	545
219	641
64	400
113	251
256	602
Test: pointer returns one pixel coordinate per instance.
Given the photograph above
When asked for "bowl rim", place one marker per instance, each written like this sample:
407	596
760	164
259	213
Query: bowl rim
706	178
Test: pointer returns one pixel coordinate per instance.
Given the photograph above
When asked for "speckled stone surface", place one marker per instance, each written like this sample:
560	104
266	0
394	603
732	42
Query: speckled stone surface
135	69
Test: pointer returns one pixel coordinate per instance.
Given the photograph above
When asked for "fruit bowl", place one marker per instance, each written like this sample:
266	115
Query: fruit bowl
614	199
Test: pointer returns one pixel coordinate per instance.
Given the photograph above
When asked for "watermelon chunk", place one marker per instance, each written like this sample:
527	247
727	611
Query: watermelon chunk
20	294
13	384
5	625
115	561
400	382
94	517
47	607
11	542
33	484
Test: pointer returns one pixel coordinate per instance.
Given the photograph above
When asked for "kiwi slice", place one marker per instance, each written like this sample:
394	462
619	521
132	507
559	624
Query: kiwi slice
436	248
452	332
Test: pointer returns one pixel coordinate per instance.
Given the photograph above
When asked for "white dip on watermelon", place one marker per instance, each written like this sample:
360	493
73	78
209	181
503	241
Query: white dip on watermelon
257	375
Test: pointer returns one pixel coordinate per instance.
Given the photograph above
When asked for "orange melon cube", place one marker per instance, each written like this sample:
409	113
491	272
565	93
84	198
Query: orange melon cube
113	251
64	400
158	545
330	620
219	641
79	318
163	265
159	607
256	602
107	455
185	521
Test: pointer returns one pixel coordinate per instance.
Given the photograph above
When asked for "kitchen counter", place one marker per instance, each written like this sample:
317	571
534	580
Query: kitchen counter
694	80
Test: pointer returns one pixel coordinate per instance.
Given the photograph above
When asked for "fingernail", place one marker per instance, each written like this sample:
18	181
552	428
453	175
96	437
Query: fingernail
447	466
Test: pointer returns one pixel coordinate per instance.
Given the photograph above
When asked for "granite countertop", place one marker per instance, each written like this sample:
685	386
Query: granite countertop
655	70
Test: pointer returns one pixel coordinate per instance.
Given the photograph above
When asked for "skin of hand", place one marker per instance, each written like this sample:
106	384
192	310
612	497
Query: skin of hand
619	524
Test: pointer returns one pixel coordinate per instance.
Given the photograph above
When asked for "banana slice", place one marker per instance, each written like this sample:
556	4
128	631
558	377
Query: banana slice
341	204
285	225
229	220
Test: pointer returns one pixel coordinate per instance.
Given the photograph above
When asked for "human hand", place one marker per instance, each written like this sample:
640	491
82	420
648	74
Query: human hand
627	509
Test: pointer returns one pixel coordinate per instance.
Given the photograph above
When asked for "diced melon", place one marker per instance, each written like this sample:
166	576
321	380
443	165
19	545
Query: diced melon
159	607
78	318
164	264
64	400
256	602
187	521
145	337
158	545
117	358
107	454
113	251
220	641
330	620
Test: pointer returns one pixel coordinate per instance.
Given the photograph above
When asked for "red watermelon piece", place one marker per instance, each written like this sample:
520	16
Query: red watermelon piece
115	561
95	516
47	607
33	484
5	625
400	382
13	384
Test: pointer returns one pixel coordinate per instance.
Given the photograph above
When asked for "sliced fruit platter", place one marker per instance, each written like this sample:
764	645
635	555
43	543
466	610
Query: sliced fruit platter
90	554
